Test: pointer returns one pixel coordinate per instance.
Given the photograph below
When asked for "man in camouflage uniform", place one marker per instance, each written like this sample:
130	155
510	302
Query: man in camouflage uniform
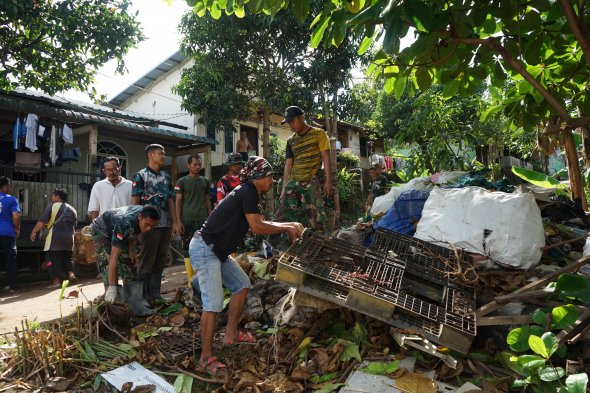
153	186
301	197
114	235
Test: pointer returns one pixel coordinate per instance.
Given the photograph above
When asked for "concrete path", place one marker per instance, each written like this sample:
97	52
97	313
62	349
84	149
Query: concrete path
38	303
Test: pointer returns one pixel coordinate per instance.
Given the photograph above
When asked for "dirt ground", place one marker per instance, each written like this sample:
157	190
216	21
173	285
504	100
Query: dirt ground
38	303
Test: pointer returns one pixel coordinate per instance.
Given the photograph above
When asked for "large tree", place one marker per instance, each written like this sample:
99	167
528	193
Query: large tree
542	45
55	46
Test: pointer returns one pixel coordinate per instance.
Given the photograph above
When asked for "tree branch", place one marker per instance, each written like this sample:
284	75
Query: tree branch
495	44
572	20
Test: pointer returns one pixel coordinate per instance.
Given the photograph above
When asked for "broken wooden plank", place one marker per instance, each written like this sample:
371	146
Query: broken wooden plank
530	294
494	305
575	328
504	320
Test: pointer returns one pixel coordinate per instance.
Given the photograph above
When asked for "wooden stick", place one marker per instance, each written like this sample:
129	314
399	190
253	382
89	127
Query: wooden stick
494	305
544	248
504	320
202	379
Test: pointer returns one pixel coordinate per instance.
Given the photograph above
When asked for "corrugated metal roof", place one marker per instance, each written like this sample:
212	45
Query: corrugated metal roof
74	114
148	78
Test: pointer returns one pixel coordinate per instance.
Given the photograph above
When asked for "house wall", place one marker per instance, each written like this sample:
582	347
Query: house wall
158	101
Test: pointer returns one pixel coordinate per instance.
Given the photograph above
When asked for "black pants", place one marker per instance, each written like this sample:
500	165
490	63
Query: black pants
8	247
154	250
61	264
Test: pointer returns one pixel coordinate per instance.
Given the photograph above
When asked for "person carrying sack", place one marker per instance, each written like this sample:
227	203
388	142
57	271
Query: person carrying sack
60	219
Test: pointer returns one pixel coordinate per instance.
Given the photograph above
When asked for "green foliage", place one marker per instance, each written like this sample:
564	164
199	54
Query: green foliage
56	46
538	179
277	154
381	368
345	184
573	288
183	384
537	369
349	159
254	64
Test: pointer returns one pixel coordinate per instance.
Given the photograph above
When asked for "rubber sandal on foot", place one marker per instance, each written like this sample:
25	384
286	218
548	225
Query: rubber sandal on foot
244	338
214	367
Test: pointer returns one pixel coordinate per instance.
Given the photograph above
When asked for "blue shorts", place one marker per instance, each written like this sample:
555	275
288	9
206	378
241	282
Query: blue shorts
213	275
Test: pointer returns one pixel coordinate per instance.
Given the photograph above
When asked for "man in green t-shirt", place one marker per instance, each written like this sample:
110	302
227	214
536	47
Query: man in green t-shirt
193	205
301	195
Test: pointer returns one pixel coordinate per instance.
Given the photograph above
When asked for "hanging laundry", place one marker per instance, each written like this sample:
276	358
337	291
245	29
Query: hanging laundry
388	163
52	145
67	135
32	125
41	132
70	155
19	131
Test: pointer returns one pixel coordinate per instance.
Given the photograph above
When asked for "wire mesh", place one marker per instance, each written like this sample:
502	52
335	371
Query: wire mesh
414	275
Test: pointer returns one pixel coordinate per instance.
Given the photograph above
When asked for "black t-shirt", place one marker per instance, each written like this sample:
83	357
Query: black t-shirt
227	225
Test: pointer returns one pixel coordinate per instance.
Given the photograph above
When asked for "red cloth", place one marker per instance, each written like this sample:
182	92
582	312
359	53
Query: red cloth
225	185
388	163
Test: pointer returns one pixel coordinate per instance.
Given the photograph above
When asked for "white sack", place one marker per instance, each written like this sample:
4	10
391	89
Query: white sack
460	217
447	177
383	203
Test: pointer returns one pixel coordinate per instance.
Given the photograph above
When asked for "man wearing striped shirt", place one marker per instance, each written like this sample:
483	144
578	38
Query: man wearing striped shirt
301	195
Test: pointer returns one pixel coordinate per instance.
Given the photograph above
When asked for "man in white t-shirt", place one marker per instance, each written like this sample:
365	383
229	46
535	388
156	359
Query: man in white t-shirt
109	193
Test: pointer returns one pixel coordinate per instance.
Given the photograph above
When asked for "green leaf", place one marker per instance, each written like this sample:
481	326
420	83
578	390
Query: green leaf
381	368
354	6
537	178
540	317
324	377
549	373
171	309
576	383
365	44
571	283
318	33
215	11
451	88
399	86
183	384
351	351
300	9
420	14
392	28
330	388
97	382
518	339
423	78
64	285
530	362
551	342
389	83
564	316
538	346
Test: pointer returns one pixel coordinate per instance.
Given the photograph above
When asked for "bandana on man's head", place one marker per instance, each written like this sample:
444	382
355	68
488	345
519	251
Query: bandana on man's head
255	168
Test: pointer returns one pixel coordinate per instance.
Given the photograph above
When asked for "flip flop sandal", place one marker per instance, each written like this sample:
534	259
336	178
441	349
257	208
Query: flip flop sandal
214	367
244	338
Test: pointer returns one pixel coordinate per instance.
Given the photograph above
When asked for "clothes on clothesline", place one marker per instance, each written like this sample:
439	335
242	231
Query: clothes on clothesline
32	126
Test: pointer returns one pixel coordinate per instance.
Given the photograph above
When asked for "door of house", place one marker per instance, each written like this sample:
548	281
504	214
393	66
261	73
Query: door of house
252	134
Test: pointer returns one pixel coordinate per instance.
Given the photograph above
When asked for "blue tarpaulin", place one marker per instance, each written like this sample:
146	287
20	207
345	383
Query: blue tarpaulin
405	212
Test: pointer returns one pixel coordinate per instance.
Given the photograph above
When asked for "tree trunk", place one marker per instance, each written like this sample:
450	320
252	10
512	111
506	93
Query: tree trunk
331	124
573	169
269	197
585	133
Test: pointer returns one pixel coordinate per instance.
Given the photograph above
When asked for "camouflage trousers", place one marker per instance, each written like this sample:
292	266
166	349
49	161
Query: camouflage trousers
125	268
304	203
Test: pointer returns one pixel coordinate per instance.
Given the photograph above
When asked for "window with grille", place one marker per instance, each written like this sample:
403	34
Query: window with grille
106	149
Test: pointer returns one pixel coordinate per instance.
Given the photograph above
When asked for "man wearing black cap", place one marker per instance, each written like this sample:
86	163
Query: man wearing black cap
301	195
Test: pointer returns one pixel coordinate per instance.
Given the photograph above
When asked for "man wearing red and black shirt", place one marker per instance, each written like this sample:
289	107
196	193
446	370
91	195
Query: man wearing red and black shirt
230	180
